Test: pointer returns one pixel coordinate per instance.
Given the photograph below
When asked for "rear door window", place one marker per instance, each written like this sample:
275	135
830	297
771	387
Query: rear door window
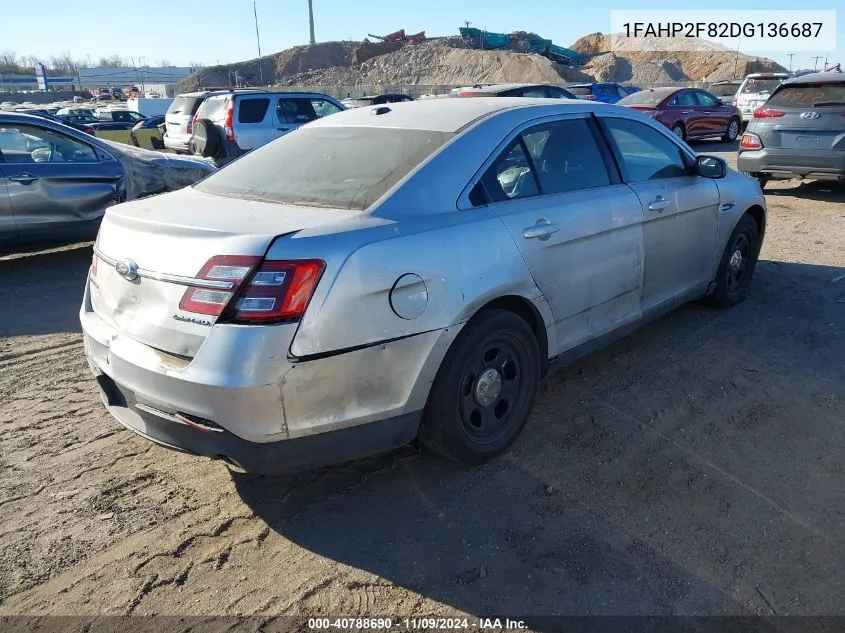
537	91
685	98
809	96
252	110
706	100
566	157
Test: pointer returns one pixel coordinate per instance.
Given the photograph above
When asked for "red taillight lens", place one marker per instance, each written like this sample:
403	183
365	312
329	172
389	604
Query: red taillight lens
766	113
226	273
227	124
750	141
279	291
467	93
88	130
191	124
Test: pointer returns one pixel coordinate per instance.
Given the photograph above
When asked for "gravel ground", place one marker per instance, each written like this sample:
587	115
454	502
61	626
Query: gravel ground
693	468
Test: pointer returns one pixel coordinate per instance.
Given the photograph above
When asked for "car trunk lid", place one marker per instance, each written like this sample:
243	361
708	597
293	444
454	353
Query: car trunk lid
148	252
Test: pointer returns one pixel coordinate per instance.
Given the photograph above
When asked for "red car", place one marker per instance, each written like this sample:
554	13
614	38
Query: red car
688	112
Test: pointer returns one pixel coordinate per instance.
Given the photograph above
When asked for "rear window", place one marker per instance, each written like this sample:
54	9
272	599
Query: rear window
252	110
580	90
339	167
644	97
724	90
184	105
212	108
809	96
761	86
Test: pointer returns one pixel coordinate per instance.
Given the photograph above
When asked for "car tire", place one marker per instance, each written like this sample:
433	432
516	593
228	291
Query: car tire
206	139
680	131
732	131
736	269
484	390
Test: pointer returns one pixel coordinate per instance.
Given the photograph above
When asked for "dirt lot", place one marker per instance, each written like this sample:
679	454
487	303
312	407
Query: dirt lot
696	467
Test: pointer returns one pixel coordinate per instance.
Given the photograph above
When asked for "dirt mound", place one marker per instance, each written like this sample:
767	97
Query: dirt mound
691	59
451	60
438	63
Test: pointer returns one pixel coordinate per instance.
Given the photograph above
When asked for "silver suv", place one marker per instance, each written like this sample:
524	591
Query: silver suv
179	119
230	124
754	90
800	131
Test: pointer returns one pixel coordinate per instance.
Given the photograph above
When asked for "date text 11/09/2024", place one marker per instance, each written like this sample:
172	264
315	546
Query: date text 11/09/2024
723	29
411	624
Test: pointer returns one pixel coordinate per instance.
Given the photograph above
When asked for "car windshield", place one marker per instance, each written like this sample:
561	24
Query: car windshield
338	167
761	86
643	97
809	95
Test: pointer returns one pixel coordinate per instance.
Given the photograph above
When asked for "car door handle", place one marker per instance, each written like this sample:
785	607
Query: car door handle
686	112
24	178
658	205
282	129
541	230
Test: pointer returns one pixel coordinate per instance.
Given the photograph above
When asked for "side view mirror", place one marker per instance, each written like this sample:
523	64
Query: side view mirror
711	166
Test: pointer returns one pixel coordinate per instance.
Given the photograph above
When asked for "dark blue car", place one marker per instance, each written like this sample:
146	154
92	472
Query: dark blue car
604	92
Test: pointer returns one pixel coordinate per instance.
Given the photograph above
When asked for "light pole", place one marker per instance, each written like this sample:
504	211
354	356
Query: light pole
143	76
258	41
311	19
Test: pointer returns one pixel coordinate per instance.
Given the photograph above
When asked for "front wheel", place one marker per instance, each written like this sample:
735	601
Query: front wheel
484	389
733	279
732	131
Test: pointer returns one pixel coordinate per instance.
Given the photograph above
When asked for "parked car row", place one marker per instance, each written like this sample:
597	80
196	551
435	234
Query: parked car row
56	181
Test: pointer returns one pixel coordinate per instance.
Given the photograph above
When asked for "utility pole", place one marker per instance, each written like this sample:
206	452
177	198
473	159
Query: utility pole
311	20
791	55
816	61
258	41
736	58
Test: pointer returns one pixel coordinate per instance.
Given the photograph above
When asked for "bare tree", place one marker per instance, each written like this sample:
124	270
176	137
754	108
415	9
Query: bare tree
196	64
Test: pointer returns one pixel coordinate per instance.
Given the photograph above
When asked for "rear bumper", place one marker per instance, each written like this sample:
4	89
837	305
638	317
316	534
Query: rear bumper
243	384
791	162
270	458
180	143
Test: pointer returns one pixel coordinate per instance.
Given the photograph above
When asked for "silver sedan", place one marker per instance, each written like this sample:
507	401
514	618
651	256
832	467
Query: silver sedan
406	270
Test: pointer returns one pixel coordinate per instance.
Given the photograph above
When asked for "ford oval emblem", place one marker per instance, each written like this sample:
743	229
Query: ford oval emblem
810	115
127	269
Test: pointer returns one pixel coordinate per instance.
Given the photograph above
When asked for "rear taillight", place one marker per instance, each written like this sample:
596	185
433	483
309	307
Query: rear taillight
734	100
88	130
768	113
228	130
191	124
750	141
224	274
468	93
277	291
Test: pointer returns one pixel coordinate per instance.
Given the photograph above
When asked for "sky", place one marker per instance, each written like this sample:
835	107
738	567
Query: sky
223	31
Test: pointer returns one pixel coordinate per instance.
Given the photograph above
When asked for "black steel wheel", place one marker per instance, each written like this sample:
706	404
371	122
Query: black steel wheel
739	260
484	390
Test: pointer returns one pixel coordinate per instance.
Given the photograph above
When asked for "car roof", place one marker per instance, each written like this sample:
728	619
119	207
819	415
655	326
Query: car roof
495	88
767	75
665	90
728	82
262	93
816	78
445	115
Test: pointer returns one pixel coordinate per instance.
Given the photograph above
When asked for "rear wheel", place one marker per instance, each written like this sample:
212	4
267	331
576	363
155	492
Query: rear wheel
733	279
732	131
484	389
679	131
